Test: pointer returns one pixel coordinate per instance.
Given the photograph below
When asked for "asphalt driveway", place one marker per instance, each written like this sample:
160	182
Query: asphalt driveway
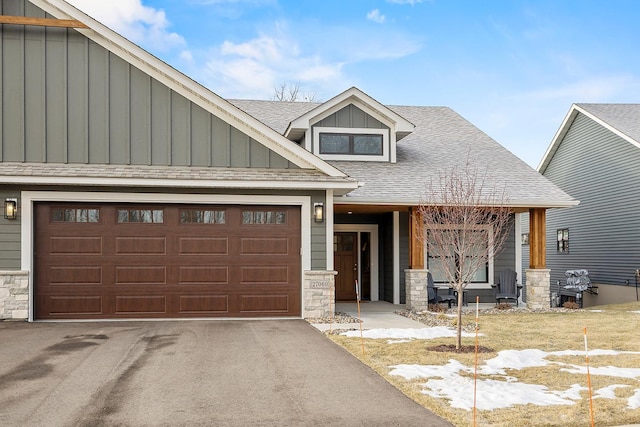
207	373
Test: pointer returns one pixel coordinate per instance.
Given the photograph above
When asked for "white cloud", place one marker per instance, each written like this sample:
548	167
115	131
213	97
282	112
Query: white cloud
592	89
141	24
376	16
252	68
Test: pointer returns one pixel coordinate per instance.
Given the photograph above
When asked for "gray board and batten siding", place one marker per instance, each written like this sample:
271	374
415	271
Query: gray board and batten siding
351	117
66	99
602	170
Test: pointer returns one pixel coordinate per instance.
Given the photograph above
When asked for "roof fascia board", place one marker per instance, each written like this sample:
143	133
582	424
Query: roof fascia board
182	183
405	202
187	87
558	137
353	95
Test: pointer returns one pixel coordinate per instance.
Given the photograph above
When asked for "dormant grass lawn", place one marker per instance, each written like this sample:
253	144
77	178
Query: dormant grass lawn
615	327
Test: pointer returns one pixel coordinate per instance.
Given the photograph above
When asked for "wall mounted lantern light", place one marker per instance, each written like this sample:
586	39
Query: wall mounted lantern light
11	208
318	212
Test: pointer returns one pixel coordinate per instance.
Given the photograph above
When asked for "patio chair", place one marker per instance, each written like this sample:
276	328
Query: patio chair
432	293
507	288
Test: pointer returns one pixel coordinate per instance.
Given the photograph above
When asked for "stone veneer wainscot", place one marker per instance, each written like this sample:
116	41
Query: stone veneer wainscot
14	295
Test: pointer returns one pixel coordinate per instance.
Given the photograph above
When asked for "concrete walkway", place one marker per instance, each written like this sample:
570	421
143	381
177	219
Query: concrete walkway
375	315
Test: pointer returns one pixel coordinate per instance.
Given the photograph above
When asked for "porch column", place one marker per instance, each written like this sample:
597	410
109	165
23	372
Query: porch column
416	245
538	276
415	277
416	289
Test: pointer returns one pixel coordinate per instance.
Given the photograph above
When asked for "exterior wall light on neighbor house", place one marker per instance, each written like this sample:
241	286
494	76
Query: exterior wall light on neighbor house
11	208
318	212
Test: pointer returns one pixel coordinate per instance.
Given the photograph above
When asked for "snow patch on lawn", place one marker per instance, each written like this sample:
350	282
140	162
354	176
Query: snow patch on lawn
454	381
408	333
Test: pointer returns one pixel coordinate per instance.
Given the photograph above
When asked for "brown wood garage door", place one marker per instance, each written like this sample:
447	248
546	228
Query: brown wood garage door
143	261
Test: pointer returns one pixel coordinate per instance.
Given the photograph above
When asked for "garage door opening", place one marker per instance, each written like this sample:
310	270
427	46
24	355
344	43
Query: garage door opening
105	261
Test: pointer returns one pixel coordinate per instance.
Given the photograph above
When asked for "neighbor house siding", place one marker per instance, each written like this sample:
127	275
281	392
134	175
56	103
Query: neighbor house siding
87	105
602	170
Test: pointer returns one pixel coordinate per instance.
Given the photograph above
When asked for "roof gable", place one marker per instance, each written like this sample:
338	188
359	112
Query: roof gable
353	96
187	87
621	119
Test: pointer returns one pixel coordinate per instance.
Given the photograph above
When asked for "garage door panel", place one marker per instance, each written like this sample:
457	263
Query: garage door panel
75	245
75	275
204	304
137	245
141	304
264	246
264	275
74	305
193	275
224	268
203	246
135	275
264	303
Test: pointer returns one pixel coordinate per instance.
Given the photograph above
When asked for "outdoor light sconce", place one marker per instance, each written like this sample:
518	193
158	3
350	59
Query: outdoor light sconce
318	212
11	208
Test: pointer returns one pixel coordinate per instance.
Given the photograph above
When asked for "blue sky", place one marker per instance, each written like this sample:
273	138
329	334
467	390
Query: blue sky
511	67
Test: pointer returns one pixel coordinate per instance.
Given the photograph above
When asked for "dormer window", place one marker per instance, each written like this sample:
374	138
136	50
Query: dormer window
343	143
364	144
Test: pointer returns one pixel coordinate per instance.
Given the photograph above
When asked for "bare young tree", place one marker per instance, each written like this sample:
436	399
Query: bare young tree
291	92
466	222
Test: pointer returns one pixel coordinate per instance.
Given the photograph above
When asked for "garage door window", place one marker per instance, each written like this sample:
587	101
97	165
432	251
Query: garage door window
149	216
75	215
264	217
202	216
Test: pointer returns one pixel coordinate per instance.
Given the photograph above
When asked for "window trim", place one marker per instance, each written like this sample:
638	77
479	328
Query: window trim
565	242
317	130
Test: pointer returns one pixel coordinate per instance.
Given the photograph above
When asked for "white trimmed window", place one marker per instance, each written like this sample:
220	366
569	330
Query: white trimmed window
351	144
480	277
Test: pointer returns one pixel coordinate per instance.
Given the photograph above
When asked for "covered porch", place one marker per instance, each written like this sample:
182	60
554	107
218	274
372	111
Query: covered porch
377	246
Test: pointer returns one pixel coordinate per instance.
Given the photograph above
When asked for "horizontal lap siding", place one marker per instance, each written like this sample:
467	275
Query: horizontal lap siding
601	170
66	99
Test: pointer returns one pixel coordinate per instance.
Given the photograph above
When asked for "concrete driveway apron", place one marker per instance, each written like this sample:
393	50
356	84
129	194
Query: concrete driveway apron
191	373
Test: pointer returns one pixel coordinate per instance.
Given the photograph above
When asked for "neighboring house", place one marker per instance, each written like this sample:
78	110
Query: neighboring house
595	157
139	193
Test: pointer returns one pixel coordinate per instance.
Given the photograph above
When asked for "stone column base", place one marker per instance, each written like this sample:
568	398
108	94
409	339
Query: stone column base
416	289
14	295
538	288
319	296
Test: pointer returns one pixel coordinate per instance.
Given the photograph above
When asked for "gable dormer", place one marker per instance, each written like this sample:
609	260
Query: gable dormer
351	126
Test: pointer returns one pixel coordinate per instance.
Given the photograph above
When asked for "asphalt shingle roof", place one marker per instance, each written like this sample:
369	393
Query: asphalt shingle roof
441	140
218	174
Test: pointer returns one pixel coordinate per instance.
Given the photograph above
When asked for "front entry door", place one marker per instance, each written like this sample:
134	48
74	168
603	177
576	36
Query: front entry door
345	259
